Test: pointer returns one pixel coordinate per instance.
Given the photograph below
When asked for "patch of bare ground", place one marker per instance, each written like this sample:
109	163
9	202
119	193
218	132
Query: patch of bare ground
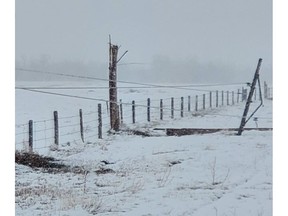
44	163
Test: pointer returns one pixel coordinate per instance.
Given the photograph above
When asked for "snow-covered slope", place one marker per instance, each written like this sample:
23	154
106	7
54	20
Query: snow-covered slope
211	174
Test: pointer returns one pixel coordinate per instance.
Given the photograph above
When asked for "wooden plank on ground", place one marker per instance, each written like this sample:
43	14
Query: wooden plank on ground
193	131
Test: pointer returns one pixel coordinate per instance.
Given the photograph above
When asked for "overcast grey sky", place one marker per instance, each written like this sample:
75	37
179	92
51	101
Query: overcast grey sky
233	33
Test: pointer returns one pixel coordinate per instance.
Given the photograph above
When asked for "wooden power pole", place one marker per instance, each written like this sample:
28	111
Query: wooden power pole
113	103
249	100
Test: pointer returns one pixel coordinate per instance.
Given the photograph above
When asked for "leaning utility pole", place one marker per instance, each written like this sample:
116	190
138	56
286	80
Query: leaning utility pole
113	103
249	100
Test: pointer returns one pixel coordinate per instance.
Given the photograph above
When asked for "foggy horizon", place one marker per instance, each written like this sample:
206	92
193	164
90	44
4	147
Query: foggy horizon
183	41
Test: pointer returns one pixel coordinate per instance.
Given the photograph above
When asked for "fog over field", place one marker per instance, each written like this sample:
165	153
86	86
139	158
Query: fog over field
167	41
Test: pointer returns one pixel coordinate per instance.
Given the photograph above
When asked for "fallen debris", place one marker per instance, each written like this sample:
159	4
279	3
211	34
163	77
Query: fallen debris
146	133
193	131
172	163
104	171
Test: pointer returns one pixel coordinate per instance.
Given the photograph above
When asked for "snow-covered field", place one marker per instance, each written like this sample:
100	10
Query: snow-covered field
213	174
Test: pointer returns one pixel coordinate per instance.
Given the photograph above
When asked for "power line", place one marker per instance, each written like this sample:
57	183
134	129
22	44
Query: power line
60	74
185	87
133	63
122	87
94	99
64	95
64	87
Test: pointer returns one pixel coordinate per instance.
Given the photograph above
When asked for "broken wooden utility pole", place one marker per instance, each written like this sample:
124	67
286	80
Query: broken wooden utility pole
249	100
114	113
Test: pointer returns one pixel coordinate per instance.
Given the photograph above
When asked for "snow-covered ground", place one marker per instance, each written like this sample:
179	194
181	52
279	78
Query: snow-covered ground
212	174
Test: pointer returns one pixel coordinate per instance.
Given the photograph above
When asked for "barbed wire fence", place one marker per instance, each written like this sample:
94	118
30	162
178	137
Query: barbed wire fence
85	127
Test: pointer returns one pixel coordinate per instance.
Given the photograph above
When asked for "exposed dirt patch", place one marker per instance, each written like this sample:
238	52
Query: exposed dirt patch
37	161
45	164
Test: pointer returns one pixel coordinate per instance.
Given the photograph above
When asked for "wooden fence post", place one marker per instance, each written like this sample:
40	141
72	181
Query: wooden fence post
148	109
222	98
233	102
238	94
118	114
244	94
182	106
196	103
133	112
99	121
81	125
265	90
30	147
161	109
107	107
270	92
227	98
210	99
56	129
121	111
172	107
204	101
217	98
189	103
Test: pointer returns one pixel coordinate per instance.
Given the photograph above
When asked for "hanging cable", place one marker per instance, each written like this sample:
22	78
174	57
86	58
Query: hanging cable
183	87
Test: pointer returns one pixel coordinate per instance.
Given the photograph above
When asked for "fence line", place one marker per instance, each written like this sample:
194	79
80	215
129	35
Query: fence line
61	131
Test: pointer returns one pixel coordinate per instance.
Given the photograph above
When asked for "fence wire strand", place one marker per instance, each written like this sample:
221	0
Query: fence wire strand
215	99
